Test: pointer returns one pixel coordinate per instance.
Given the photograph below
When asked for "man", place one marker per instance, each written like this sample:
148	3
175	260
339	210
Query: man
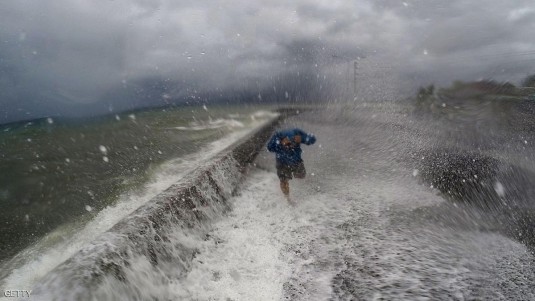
287	146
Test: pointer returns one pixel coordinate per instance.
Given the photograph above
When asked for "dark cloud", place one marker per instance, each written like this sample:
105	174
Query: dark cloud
86	57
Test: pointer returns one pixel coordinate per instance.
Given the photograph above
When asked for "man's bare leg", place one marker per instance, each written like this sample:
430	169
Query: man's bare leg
285	187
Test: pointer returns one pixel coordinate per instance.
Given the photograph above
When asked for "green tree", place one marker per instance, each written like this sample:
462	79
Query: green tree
529	81
424	93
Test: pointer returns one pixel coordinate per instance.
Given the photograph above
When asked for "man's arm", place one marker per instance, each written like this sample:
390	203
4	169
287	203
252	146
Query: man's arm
274	143
307	139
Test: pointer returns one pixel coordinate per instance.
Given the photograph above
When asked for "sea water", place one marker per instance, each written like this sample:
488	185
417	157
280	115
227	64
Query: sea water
64	182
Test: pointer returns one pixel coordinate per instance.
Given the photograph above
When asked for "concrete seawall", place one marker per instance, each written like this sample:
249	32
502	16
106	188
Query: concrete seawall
145	235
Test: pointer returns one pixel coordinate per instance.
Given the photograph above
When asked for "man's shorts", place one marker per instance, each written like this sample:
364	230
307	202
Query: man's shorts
285	171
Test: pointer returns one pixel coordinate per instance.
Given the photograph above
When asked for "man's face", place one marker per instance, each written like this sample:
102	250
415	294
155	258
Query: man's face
295	141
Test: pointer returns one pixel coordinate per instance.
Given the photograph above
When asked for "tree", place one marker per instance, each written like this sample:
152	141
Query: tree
424	93
529	81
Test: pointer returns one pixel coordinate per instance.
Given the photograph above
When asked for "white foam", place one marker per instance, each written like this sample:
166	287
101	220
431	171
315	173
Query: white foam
268	250
250	254
268	114
212	124
241	259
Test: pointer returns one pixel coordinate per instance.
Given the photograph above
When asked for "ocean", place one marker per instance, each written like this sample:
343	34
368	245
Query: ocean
65	181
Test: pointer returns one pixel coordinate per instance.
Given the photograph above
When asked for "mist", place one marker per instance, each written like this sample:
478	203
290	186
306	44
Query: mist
81	58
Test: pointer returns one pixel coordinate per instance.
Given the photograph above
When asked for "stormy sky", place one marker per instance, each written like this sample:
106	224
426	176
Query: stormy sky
83	57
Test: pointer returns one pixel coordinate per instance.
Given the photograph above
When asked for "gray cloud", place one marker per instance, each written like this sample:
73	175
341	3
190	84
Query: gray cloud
83	57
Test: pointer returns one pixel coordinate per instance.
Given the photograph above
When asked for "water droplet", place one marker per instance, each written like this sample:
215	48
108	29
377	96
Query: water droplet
103	149
88	208
105	159
500	190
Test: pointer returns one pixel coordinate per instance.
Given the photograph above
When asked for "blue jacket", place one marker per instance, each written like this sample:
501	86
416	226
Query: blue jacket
289	155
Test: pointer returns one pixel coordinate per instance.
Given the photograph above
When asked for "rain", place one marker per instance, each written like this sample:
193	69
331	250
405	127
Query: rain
280	150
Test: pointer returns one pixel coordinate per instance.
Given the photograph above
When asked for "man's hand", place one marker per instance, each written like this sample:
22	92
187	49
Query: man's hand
297	139
285	142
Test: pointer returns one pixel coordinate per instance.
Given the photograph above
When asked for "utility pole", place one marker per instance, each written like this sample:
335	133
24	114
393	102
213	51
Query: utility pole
355	66
355	69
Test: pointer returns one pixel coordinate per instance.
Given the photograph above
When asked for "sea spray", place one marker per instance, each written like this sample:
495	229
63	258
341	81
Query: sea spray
145	238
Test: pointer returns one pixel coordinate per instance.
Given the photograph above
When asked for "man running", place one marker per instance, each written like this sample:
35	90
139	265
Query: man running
287	146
